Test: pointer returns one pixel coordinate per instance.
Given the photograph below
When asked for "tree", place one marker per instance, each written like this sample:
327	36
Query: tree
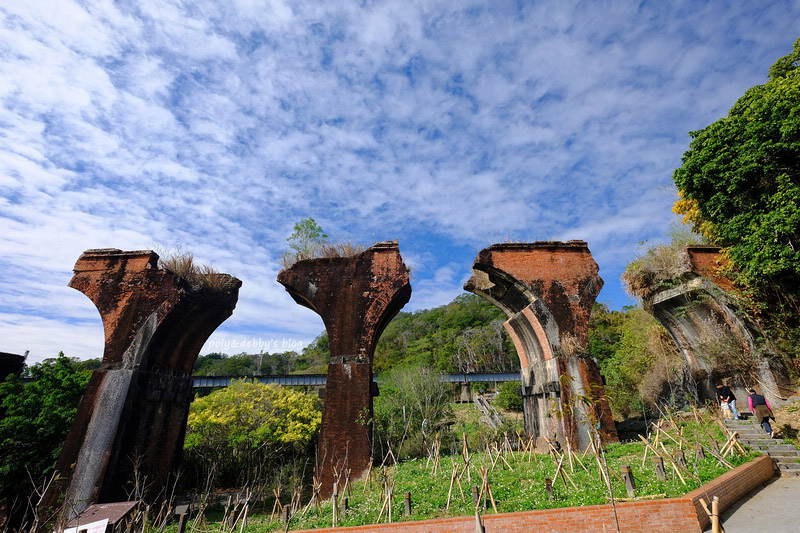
305	242
34	420
740	180
413	403
636	356
465	335
508	396
235	434
315	357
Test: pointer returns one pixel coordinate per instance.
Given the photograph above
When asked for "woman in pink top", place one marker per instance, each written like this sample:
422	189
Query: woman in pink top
761	409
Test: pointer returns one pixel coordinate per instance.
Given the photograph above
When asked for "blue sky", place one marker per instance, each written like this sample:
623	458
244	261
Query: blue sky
215	126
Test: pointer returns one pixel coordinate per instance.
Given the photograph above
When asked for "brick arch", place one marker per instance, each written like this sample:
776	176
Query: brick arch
531	326
137	403
547	290
698	310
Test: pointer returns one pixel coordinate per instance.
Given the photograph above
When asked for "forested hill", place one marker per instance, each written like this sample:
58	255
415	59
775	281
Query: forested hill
634	352
465	335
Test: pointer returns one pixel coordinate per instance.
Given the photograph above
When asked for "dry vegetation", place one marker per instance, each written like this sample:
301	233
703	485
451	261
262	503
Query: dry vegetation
198	274
655	270
787	422
323	250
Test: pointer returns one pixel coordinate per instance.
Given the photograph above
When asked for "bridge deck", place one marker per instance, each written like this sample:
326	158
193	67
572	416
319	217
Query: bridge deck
206	382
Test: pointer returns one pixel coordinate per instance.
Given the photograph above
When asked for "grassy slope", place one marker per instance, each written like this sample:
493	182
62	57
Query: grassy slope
516	489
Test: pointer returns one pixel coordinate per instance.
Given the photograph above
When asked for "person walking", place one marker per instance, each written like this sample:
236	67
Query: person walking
761	409
725	395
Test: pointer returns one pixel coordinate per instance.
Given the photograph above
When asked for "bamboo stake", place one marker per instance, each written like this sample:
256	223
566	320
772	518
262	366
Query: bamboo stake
729	443
491	496
715	527
710	513
649	446
532	450
277	505
506	462
673	463
450	491
558	469
569	454
578	459
367	480
591	443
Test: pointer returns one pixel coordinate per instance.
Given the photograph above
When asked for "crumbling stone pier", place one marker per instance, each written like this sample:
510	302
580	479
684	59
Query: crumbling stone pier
547	289
716	340
132	418
356	297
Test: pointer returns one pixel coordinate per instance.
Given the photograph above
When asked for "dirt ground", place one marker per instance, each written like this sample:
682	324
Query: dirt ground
787	422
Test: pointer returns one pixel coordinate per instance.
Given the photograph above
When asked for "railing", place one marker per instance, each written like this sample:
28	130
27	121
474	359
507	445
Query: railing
310	380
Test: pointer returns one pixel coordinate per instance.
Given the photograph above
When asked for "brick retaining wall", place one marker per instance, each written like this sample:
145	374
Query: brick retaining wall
732	486
674	515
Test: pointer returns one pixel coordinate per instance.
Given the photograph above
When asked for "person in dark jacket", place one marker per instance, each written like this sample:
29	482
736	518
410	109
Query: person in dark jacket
761	409
725	395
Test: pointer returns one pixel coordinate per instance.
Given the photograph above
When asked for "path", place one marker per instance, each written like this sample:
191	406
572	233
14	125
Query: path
775	508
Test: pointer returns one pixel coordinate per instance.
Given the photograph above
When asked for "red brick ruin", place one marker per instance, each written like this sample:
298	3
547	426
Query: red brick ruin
547	289
10	363
132	418
356	297
702	319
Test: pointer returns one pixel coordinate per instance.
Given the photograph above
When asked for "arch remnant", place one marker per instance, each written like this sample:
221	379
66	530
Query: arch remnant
11	363
132	418
356	297
547	289
715	340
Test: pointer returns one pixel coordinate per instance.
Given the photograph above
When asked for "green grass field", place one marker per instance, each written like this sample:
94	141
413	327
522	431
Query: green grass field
517	486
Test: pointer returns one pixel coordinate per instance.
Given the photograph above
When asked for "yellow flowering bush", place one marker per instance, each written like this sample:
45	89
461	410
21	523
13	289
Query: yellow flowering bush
242	429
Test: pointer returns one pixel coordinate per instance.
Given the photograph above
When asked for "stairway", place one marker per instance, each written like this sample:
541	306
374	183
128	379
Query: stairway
785	456
490	416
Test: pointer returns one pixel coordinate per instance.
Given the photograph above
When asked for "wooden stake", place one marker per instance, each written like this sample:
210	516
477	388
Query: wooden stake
715	515
450	491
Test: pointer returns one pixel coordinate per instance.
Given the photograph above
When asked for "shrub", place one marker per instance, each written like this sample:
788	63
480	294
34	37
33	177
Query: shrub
508	396
237	432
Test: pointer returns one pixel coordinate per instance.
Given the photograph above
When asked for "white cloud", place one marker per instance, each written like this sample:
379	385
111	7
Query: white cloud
217	125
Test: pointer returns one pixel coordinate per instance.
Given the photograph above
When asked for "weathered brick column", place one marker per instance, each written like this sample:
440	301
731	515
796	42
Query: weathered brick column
10	363
133	414
713	335
356	297
547	289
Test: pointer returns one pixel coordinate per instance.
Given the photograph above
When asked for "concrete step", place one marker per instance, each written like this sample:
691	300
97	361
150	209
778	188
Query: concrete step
773	448
786	457
767	442
748	429
752	436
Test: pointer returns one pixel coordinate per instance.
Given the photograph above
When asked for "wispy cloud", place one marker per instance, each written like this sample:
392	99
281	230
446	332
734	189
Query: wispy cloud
217	125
